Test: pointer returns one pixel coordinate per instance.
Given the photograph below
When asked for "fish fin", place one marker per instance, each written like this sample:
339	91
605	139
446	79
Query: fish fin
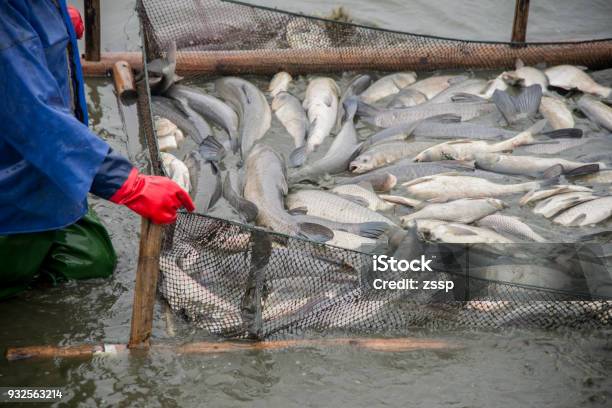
394	199
515	108
245	207
583	170
357	200
211	149
462	97
315	232
519	63
372	229
350	108
553	171
572	133
298	211
298	156
578	219
548	182
364	109
218	193
537	127
234	144
463	164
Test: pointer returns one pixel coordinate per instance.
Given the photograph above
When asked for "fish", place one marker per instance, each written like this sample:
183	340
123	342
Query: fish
550	146
321	105
493	85
407	169
526	76
161	71
532	274
205	179
253	110
392	117
451	186
354	88
473	86
235	199
406	98
279	83
174	111
364	229
460	130
365	195
538	195
380	182
556	112
347	240
176	170
467	149
571	77
288	109
336	159
457	233
589	213
265	186
464	210
432	86
382	154
209	107
333	207
506	224
528	165
388	85
596	111
560	202
521	107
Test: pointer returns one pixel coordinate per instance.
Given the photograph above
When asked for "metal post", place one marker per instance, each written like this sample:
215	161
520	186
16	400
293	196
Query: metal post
519	27
92	30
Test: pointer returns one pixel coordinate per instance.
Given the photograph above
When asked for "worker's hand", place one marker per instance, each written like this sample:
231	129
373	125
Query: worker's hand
153	197
77	21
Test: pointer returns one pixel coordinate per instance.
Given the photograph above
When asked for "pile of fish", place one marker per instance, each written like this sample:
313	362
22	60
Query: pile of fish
353	162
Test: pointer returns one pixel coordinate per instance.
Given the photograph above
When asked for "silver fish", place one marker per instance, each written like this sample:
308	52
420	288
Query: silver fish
432	86
525	76
336	159
388	85
331	206
460	130
525	165
279	83
456	233
555	204
555	110
597	111
289	111
407	169
252	107
473	86
464	210
382	154
572	77
538	195
507	224
321	104
205	180
588	213
406	98
368	197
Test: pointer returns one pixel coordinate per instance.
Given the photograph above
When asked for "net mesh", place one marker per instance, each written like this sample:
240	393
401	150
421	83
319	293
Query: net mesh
235	280
215	36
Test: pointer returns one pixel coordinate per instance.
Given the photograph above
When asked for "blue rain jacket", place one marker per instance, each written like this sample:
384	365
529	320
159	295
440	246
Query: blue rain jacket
49	159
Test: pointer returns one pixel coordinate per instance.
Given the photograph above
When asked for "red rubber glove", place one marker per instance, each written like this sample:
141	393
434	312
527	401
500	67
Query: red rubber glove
154	197
77	21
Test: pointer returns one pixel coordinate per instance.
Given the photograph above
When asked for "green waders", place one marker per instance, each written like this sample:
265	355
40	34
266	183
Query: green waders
82	250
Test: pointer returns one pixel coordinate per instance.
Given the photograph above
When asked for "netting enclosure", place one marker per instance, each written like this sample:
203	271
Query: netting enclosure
237	280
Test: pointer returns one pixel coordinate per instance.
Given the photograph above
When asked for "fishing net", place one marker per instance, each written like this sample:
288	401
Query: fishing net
236	280
215	36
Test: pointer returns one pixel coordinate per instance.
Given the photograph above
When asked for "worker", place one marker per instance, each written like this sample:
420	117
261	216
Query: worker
50	160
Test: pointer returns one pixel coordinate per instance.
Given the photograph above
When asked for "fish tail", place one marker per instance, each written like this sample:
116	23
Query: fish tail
515	108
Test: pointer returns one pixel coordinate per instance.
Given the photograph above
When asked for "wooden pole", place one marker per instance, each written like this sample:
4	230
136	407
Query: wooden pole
204	347
92	30
519	26
123	78
593	54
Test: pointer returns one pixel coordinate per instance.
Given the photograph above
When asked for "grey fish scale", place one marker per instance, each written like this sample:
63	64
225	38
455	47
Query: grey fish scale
407	170
328	205
460	131
589	213
510	225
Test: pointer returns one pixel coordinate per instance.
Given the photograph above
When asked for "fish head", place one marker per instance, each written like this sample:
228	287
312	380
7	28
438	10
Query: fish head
361	164
511	78
428	155
280	99
495	203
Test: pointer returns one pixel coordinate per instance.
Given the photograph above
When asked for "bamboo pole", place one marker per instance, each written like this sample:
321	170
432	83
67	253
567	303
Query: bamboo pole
596	54
371	344
92	30
519	26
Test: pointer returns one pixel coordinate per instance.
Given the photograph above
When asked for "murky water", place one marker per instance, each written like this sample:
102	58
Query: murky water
506	368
